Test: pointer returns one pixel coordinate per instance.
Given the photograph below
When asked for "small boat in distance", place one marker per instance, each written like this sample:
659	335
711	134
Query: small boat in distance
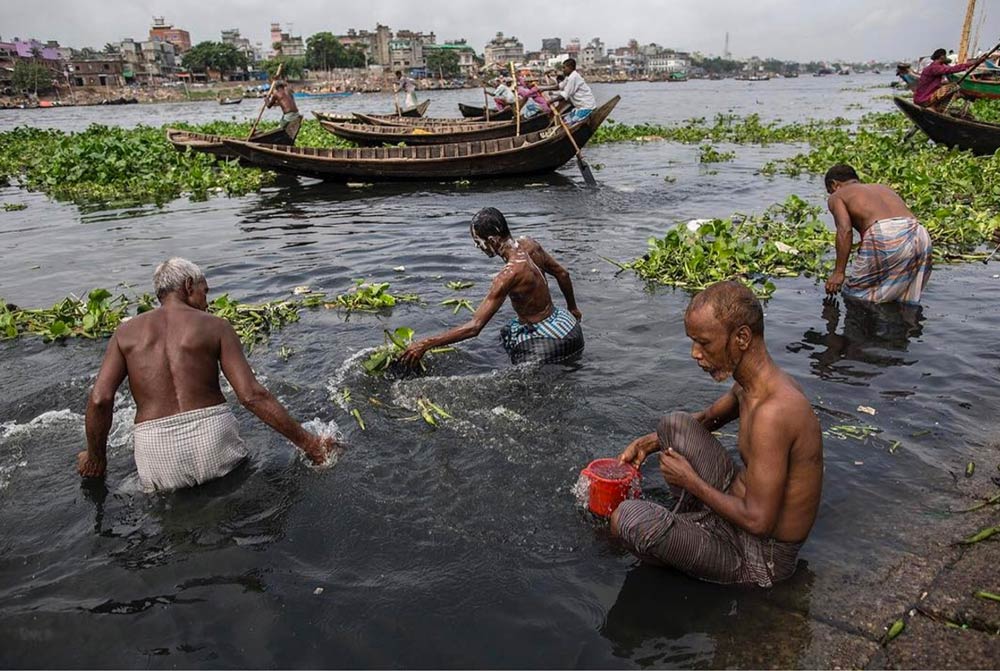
230	101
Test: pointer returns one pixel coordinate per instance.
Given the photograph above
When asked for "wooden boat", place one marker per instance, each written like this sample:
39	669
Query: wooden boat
470	111
411	112
534	153
980	86
328	94
213	144
387	120
230	101
979	137
367	134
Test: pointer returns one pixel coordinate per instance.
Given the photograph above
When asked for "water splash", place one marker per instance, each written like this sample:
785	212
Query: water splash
581	491
324	429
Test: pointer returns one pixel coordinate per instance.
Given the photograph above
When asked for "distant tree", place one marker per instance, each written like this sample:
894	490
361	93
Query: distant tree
717	65
444	62
29	77
110	48
294	67
325	51
205	56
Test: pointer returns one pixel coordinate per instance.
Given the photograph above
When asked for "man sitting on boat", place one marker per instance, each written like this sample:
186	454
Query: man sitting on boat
533	102
503	94
732	523
290	117
893	262
574	90
540	332
408	88
909	79
184	432
933	90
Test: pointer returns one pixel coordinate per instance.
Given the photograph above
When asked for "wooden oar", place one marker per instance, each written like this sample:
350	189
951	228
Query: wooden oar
517	102
588	176
486	104
277	76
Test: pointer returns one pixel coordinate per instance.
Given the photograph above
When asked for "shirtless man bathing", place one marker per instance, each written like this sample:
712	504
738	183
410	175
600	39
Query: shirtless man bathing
541	331
732	524
184	432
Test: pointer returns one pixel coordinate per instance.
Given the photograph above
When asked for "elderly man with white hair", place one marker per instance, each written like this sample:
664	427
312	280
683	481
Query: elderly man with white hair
184	432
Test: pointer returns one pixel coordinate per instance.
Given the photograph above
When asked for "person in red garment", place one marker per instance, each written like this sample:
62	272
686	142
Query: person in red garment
933	90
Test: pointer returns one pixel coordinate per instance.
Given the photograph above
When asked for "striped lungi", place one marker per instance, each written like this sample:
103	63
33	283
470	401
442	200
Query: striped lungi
692	538
892	263
553	339
188	448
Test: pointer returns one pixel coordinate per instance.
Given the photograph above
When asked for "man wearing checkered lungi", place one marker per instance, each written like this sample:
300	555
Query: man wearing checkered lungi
184	432
541	331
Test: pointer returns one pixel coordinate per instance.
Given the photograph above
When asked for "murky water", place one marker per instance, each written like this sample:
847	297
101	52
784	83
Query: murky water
461	545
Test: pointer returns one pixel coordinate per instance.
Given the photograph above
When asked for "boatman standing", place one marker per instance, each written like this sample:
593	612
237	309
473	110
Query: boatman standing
408	88
184	432
733	523
290	117
893	261
576	91
541	332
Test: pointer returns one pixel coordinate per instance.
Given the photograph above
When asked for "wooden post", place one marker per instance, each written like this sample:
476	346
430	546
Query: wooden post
517	101
963	43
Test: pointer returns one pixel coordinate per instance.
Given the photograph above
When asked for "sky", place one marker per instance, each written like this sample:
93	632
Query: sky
802	30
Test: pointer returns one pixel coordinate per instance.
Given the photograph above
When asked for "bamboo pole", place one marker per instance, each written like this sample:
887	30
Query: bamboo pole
963	43
517	101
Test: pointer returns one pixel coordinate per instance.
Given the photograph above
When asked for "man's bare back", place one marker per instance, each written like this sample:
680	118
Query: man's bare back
284	99
867	203
528	288
172	354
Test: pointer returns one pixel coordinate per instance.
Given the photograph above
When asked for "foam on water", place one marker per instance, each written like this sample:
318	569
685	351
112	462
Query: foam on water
14	436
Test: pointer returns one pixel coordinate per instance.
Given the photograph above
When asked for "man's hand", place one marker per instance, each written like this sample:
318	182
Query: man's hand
639	449
318	448
88	467
576	313
834	283
676	469
412	355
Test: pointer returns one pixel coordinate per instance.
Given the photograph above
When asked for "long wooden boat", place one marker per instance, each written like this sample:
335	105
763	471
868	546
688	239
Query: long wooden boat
213	144
472	111
384	120
349	117
982	138
367	134
328	94
980	86
534	153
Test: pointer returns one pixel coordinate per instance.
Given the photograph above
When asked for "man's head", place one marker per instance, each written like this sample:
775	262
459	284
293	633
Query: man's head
489	230
279	85
939	55
183	279
724	322
568	66
838	176
902	68
399	74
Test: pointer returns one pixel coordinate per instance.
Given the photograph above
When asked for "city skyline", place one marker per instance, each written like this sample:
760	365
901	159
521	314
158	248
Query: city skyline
782	29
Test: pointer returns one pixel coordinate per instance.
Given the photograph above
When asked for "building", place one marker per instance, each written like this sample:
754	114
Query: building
592	55
504	50
285	44
467	62
243	45
161	31
552	45
668	61
374	44
97	72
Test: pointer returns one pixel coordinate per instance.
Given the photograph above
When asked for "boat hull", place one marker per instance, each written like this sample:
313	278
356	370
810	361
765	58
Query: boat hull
424	134
980	138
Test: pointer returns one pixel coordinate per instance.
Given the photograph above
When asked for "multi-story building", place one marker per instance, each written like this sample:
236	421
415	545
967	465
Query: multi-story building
285	43
242	44
161	31
375	44
552	45
668	61
97	72
160	60
504	50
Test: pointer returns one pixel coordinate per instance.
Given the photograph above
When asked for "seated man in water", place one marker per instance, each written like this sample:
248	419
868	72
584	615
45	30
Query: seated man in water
184	432
893	262
541	331
291	120
731	525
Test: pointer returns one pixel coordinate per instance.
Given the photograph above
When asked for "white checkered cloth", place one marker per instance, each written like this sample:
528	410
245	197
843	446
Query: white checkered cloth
188	448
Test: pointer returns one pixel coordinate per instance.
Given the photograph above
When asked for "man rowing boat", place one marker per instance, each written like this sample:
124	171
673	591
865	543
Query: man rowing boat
540	332
290	117
574	90
184	432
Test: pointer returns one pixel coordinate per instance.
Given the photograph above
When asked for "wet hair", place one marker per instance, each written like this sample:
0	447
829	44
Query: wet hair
171	275
733	304
489	221
840	173
279	84
938	53
399	73
570	62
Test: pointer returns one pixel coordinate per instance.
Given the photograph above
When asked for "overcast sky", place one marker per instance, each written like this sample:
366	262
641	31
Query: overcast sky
853	30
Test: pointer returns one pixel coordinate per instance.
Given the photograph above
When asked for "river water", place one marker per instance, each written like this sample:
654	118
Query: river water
461	545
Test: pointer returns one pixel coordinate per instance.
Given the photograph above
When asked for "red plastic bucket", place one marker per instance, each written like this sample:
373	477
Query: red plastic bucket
611	482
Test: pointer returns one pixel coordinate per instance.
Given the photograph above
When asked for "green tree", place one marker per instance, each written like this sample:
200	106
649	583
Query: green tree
110	48
717	65
205	56
294	67
324	51
31	77
444	62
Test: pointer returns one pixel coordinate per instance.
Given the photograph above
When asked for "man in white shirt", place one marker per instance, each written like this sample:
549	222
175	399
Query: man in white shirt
575	91
503	94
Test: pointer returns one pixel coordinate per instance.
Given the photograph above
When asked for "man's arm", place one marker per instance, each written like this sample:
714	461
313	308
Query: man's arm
258	400
570	85
549	265
764	478
725	409
845	236
470	329
93	462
